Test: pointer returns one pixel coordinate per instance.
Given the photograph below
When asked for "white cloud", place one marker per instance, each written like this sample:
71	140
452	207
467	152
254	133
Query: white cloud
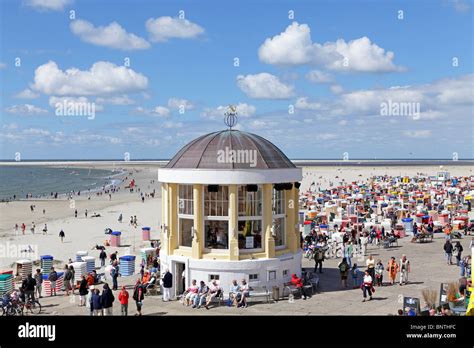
327	136
36	131
319	76
342	123
25	109
243	110
180	103
303	104
294	46
439	95
103	78
27	94
418	134
264	86
10	126
336	89
161	111
441	98
48	5
361	55
460	5
157	111
164	28
112	35
171	124
116	100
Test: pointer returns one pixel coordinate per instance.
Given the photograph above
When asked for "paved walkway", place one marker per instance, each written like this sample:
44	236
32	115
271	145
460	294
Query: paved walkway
428	270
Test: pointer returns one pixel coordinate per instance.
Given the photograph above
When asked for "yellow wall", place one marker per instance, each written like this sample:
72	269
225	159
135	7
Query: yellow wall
198	238
233	223
268	221
173	217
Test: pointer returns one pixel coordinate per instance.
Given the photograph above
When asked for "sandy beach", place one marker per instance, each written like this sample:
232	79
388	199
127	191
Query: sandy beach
83	233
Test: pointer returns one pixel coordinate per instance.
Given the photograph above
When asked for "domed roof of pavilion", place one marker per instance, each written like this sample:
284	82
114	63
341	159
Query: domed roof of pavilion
230	149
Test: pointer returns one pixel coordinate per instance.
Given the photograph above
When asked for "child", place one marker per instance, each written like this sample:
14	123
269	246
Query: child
356	276
379	273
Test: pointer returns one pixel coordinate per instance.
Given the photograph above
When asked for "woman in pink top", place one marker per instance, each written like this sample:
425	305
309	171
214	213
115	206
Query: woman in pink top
192	293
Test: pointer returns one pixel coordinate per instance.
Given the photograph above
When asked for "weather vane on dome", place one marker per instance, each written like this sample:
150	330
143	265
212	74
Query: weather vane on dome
231	116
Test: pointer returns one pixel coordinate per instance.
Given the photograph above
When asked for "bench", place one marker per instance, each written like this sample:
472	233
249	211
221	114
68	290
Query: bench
291	289
215	299
423	238
153	289
389	242
259	292
313	281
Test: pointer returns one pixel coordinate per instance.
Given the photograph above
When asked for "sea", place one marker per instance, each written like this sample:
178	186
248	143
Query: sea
40	181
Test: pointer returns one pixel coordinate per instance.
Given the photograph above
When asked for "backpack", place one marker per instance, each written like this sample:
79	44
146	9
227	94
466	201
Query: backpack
68	275
343	267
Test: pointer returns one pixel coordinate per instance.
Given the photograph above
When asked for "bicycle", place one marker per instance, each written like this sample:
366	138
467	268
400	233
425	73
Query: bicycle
31	306
10	309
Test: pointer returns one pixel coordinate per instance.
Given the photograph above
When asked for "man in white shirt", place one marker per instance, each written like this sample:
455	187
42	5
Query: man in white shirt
364	240
367	286
404	270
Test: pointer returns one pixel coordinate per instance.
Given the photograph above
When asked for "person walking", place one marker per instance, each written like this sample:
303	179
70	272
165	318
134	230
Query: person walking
465	266
89	298
448	251
67	279
318	259
107	300
404	270
85	213
138	296
167	285
115	274
367	286
343	271
75	213
102	257
53	277
348	250
83	291
123	298
39	282
370	263
364	241
120	218
45	229
379	268
457	252
392	270
96	303
62	235
356	276
73	279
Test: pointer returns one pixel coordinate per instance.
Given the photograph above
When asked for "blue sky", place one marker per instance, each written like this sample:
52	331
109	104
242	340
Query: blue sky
313	84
